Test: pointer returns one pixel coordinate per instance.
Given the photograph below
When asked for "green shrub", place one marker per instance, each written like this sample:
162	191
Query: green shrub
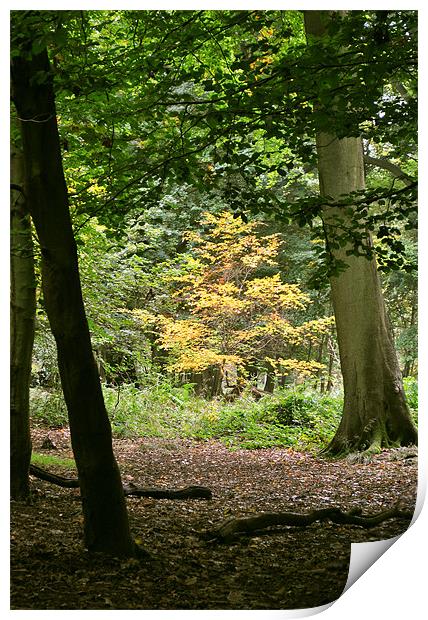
411	391
290	417
291	408
158	410
295	417
47	408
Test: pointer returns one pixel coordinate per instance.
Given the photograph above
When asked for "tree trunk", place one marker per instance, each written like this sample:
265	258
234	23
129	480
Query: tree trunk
330	365
214	381
269	385
408	365
105	517
22	316
375	411
309	355
319	360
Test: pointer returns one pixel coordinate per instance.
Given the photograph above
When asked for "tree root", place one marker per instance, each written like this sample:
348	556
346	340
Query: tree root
367	444
191	492
69	483
229	530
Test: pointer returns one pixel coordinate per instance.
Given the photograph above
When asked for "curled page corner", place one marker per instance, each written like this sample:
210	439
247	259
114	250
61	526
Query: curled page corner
364	555
304	612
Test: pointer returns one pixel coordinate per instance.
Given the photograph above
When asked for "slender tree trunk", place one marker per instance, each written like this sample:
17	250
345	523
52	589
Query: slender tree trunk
319	360
105	516
270	383
22	316
409	363
330	365
375	411
309	355
216	380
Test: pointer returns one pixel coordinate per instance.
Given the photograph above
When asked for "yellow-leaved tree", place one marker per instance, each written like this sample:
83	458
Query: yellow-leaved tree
234	313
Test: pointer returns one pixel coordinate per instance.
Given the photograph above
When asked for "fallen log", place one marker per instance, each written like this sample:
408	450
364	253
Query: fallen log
232	528
191	492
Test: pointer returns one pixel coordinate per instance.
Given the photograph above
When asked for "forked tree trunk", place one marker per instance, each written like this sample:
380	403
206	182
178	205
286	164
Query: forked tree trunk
105	516
22	315
375	411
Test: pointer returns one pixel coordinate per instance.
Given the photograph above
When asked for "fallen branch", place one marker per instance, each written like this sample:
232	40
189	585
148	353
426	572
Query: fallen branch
229	530
191	492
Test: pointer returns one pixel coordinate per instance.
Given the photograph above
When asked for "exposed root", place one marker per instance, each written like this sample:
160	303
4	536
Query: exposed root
191	492
69	483
361	449
229	530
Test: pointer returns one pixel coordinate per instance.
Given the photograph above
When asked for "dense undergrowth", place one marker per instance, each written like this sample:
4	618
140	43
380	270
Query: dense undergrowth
299	417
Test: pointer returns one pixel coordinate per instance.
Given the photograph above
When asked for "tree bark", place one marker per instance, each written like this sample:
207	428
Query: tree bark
375	412
22	317
106	526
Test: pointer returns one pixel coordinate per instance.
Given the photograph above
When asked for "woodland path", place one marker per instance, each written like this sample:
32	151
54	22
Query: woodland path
291	568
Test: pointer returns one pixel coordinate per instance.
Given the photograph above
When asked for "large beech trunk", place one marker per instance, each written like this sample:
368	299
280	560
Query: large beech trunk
375	412
104	509
22	315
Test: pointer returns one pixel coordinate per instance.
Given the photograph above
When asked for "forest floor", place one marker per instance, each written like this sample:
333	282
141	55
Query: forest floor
292	567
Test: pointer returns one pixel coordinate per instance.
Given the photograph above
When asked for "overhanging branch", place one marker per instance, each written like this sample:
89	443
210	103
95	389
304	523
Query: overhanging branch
385	164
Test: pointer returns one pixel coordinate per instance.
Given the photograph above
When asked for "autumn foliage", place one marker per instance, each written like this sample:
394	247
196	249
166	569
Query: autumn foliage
233	310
